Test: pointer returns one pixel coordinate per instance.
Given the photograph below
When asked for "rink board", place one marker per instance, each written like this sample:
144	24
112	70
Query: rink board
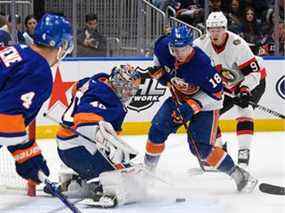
152	95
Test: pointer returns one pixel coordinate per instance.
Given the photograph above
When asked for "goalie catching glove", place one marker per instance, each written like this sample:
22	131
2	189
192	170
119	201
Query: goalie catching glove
116	149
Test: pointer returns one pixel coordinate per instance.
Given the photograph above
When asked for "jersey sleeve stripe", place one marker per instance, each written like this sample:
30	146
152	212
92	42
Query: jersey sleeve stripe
245	64
65	134
14	124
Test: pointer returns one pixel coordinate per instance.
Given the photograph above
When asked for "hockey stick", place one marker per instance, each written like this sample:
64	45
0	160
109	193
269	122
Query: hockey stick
146	73
110	138
272	189
114	140
116	167
176	101
265	109
55	191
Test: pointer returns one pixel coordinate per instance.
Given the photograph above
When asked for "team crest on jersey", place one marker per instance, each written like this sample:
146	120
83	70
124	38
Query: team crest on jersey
237	42
183	87
149	92
230	78
280	87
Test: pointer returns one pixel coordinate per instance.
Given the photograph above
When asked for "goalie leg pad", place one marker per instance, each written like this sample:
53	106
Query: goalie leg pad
128	185
88	166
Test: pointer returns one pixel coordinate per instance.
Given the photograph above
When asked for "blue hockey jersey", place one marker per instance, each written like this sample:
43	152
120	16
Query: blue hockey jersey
25	84
93	100
197	73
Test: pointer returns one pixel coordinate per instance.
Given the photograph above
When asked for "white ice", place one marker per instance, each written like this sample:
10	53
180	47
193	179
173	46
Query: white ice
208	192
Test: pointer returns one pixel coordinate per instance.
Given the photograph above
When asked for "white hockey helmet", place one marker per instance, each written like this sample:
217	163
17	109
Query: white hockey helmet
216	19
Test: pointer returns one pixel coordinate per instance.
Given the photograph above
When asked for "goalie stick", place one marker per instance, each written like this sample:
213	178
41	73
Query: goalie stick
272	189
116	141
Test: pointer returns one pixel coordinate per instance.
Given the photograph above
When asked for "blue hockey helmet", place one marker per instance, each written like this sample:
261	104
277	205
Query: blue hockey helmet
180	36
54	31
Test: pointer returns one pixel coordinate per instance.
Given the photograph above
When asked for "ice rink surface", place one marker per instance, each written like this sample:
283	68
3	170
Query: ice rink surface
204	193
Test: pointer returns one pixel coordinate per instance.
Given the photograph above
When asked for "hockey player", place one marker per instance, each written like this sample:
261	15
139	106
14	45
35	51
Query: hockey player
97	110
197	87
25	84
243	79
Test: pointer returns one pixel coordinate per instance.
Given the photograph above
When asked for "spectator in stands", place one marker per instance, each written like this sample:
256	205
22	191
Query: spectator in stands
191	12
90	41
6	32
260	6
163	4
30	25
250	28
2	19
215	5
268	42
234	18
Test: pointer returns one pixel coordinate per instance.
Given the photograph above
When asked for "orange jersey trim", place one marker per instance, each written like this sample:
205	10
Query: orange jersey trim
12	123
215	125
86	118
23	155
74	88
194	105
64	133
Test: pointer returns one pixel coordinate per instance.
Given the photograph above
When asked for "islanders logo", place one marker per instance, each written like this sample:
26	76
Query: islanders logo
280	87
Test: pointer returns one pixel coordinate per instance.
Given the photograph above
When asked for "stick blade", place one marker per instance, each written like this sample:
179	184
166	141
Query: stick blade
272	189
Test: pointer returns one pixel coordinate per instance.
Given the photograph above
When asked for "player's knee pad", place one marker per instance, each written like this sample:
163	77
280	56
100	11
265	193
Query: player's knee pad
128	185
88	166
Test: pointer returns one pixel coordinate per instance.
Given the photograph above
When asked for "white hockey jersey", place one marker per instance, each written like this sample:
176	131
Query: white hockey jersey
234	60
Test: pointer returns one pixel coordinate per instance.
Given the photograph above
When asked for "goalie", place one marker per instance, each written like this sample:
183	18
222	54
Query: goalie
97	111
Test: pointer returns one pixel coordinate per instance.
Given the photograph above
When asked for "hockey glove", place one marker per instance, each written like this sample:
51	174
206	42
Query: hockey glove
244	97
29	160
151	72
187	110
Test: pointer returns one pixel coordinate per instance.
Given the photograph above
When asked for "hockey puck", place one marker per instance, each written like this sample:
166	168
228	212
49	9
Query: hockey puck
180	200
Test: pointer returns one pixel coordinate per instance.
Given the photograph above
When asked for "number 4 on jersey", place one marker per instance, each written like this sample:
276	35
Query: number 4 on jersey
27	99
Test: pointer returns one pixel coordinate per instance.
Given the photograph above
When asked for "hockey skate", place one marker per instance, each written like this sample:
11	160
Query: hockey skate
101	200
243	157
244	181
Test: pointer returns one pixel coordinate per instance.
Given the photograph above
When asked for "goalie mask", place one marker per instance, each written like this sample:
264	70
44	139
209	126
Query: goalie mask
124	80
